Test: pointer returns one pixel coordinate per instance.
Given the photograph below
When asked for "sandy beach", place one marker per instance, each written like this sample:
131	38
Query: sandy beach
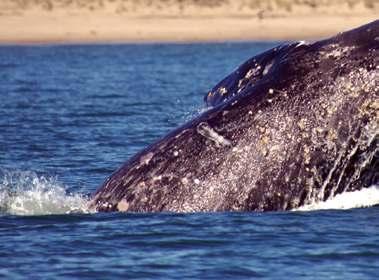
103	21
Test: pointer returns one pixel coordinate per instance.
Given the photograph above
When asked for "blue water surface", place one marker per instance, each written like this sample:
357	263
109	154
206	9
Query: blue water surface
75	113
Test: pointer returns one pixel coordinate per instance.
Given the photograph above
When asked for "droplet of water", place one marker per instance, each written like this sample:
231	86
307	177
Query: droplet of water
26	193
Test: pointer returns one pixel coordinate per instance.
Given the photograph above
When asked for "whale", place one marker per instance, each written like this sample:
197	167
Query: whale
294	125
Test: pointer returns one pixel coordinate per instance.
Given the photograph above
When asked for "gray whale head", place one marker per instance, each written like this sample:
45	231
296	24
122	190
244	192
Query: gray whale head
293	125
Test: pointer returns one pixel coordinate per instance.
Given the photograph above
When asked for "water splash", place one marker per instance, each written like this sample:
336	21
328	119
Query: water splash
26	193
357	199
194	112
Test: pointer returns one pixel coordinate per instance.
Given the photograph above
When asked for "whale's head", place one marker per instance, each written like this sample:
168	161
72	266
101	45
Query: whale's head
255	71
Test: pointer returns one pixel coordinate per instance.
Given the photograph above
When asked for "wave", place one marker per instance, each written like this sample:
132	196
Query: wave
26	193
357	199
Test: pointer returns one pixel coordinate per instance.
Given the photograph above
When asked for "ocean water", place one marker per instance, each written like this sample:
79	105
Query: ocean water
70	115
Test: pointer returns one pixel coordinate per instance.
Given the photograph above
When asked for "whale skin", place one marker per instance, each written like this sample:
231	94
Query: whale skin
294	125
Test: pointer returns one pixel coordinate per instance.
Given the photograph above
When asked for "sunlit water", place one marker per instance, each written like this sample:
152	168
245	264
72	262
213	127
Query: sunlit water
70	115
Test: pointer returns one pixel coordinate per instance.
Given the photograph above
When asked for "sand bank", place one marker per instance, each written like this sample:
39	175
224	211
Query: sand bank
102	21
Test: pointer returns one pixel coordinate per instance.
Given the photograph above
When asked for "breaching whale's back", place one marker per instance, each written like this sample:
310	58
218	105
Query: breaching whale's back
294	125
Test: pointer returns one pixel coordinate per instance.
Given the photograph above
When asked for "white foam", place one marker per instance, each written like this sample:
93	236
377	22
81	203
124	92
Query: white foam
357	199
26	193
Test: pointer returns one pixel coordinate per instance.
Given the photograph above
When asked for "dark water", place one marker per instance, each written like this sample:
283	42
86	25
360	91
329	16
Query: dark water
70	115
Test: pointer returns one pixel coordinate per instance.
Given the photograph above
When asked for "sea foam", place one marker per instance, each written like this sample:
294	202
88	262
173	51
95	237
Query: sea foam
26	193
357	199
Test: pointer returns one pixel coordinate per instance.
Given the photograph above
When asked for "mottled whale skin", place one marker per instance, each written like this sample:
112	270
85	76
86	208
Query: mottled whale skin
294	125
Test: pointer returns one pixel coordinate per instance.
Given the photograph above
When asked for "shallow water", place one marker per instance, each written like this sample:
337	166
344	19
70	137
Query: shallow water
70	115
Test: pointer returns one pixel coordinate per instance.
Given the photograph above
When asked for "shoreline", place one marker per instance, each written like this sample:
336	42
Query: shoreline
34	30
38	22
